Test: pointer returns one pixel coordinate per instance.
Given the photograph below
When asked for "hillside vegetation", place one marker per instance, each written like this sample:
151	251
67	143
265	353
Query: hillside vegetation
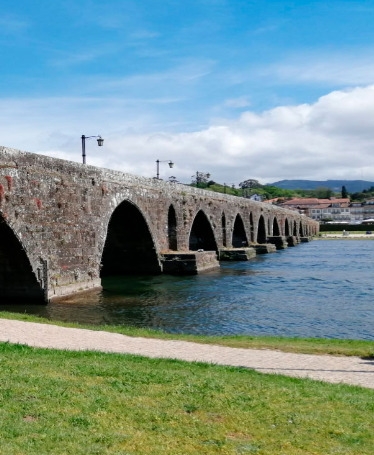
353	186
271	192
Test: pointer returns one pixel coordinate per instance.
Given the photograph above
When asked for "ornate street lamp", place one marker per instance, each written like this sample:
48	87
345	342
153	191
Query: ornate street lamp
100	142
171	164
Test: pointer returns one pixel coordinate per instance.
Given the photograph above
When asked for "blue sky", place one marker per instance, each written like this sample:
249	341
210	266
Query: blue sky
241	89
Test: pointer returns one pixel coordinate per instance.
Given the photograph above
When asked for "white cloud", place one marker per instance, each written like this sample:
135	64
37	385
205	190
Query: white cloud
334	68
237	103
332	138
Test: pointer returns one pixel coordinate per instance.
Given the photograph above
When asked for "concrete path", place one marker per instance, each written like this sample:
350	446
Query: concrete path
349	370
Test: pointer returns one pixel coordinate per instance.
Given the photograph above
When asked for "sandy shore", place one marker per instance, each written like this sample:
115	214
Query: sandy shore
348	370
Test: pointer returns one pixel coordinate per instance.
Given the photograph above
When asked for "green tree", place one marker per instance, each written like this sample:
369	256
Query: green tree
344	192
200	179
358	197
250	183
322	192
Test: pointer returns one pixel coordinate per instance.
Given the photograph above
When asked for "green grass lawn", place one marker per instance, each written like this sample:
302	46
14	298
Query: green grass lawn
58	402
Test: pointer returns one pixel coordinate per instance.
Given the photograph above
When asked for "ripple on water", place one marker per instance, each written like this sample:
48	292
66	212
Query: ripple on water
317	289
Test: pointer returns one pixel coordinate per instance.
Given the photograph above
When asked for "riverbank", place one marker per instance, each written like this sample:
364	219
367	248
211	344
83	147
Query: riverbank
342	236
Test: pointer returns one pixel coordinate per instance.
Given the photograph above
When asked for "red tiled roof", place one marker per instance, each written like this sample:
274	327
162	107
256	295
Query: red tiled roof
301	201
319	206
307	202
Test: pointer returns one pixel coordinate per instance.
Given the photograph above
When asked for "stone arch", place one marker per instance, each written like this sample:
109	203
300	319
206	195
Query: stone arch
223	226
261	231
129	247
276	230
172	229
18	281
301	230
201	234
239	237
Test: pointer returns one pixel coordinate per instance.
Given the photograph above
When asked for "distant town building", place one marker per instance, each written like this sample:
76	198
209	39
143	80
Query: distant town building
332	209
255	197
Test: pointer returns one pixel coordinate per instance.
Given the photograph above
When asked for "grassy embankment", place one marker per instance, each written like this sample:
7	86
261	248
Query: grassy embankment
58	402
349	234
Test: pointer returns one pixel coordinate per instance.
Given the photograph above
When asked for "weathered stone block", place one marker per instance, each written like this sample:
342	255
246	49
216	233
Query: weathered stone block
237	254
279	242
292	240
191	263
265	248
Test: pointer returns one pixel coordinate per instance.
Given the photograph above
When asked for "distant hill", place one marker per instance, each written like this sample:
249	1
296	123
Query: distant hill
352	186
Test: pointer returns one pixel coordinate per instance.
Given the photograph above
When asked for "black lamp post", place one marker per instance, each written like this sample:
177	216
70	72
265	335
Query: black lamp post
171	164
100	142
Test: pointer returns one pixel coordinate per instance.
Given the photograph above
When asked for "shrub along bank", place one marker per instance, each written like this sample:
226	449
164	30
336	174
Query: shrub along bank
346	227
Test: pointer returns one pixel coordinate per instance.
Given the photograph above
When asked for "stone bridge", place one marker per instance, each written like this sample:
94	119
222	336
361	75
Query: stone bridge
64	225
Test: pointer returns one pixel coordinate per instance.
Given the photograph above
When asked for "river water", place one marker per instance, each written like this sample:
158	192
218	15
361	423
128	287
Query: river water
324	288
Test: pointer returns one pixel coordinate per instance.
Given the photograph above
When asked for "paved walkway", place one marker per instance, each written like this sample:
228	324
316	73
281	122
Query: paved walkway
349	370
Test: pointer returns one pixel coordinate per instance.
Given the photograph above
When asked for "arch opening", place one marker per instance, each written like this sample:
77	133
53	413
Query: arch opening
301	230
286	228
223	226
239	237
276	231
201	235
129	248
294	229
261	233
172	229
18	282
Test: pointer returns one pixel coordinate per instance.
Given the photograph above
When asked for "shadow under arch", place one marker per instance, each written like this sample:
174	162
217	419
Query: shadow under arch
223	227
202	235
129	247
261	232
294	229
286	228
239	237
276	231
172	229
18	282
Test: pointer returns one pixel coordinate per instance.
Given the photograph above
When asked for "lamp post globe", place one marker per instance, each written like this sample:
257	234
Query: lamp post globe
170	163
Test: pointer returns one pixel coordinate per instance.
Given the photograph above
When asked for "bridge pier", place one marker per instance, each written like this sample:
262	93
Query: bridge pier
236	254
264	248
188	262
292	240
71	289
279	241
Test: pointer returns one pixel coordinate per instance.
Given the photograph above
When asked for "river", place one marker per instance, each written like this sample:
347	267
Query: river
319	289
